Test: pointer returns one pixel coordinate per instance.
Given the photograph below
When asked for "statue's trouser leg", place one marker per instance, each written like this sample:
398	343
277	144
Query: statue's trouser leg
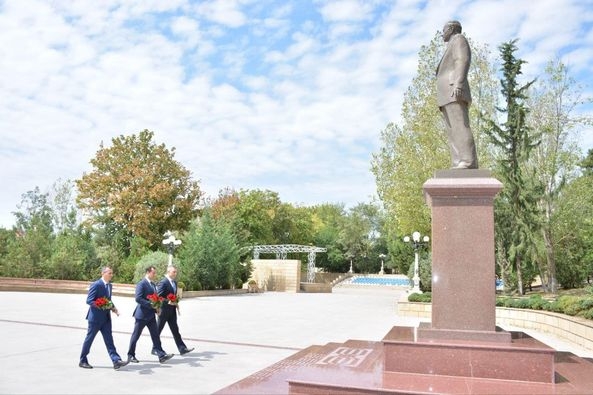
459	134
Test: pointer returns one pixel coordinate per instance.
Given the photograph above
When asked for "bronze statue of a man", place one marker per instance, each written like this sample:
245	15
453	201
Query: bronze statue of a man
454	97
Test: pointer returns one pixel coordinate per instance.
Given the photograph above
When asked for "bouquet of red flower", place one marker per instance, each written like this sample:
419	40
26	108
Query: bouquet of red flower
156	301
103	303
172	299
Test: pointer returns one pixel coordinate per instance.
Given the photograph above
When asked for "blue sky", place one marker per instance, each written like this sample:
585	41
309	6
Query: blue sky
289	96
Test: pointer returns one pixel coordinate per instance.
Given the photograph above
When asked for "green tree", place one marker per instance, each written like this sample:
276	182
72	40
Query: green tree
72	257
516	205
256	212
553	103
210	256
572	222
28	253
359	237
158	259
327	220
63	206
7	238
137	187
293	225
587	164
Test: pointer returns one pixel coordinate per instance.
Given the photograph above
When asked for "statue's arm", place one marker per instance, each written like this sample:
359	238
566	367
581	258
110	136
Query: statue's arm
461	58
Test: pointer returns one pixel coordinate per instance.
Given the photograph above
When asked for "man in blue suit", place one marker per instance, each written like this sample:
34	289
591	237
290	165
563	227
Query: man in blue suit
145	316
168	285
99	319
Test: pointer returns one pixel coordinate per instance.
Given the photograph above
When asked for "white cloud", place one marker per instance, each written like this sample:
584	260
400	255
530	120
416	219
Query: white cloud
345	10
224	12
286	96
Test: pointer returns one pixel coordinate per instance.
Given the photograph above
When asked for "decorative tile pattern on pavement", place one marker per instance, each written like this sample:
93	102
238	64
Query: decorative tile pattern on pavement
346	356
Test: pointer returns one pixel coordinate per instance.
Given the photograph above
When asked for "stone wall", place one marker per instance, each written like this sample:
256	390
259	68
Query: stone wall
280	275
574	329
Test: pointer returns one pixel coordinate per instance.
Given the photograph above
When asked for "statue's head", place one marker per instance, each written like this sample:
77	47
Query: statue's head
450	28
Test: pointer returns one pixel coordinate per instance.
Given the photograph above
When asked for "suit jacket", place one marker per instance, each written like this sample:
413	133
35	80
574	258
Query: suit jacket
144	310
452	71
98	290
165	288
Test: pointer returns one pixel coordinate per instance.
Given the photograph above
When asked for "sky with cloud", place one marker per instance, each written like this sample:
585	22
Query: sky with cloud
283	95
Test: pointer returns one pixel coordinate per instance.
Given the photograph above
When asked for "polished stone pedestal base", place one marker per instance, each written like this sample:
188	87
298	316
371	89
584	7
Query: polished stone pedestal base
403	364
522	358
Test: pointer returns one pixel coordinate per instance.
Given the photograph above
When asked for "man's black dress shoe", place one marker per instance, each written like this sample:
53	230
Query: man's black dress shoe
186	350
132	358
85	365
119	364
165	358
153	352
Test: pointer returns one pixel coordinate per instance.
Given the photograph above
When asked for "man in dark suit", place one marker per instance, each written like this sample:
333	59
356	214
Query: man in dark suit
454	97
165	287
144	314
99	319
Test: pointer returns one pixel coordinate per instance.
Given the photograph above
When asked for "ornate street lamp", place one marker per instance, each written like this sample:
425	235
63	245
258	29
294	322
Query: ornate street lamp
382	256
171	242
351	256
416	243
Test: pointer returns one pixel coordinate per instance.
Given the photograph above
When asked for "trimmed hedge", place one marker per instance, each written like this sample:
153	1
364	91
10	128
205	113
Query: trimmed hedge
425	297
579	306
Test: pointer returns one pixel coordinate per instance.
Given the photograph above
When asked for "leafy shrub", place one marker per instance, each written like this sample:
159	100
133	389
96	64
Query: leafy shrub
422	298
536	302
588	314
158	259
509	302
569	304
522	303
586	304
566	304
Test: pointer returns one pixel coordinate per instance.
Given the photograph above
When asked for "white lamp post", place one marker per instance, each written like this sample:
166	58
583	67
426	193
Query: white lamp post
416	243
351	256
171	242
382	256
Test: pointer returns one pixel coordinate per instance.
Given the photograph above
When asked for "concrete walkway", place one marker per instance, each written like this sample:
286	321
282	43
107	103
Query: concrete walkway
234	336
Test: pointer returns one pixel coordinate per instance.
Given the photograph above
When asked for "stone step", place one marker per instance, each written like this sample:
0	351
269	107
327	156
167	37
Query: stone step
411	383
522	358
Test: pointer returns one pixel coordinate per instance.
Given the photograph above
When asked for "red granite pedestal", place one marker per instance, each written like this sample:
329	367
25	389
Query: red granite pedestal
461	351
360	367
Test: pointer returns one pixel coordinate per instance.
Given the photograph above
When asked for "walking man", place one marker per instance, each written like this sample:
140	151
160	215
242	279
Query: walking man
145	316
166	287
99	319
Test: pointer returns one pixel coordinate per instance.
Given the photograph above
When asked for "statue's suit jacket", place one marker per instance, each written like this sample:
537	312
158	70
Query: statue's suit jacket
452	71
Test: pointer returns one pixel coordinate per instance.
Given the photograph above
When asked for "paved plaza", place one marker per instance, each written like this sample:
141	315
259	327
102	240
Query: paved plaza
234	336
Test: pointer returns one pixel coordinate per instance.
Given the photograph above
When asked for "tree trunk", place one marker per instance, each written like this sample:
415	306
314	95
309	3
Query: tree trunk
505	268
552	285
519	276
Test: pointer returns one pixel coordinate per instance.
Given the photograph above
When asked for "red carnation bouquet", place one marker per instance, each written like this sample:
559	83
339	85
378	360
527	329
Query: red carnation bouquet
156	301
172	299
103	303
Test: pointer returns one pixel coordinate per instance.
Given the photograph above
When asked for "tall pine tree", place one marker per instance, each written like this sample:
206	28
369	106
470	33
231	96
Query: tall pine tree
516	205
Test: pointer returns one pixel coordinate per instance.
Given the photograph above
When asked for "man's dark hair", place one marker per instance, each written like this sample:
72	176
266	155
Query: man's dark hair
149	269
